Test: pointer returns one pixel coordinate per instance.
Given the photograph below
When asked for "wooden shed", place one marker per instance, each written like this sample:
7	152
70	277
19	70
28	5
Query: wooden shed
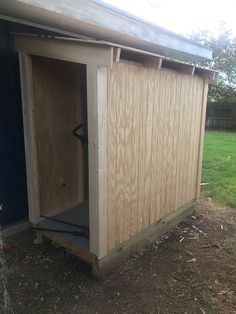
113	140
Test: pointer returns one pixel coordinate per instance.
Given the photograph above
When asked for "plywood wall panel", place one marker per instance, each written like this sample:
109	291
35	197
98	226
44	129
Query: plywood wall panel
59	91
163	133
153	142
179	133
142	153
169	119
128	113
194	136
174	129
186	142
111	158
158	157
155	161
137	85
120	155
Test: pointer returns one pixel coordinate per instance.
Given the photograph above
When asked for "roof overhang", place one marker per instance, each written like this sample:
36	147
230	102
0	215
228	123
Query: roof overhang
93	19
102	53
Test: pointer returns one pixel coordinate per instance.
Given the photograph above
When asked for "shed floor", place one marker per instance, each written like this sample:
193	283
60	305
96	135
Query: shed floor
77	215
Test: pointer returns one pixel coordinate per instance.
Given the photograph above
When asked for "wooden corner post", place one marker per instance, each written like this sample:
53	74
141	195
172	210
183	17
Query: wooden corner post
29	136
201	137
97	150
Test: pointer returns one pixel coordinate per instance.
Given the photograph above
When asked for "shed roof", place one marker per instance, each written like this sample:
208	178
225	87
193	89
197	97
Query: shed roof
101	21
27	42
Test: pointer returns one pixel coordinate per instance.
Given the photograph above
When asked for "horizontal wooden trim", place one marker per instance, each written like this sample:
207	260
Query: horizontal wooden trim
15	228
114	53
180	67
75	250
73	51
146	236
210	75
110	44
162	62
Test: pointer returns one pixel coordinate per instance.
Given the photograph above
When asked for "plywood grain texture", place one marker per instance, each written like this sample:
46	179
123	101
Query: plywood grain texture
58	89
154	135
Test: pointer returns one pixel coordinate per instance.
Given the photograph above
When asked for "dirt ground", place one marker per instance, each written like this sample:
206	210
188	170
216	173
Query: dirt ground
190	270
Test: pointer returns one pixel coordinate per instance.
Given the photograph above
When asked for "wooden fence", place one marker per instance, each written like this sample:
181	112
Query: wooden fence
221	116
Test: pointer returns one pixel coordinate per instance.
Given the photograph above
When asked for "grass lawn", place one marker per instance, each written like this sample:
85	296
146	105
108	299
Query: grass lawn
219	166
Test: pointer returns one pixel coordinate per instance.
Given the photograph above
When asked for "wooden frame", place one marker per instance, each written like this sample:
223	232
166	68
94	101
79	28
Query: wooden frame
102	53
201	138
99	57
97	129
29	136
97	138
79	52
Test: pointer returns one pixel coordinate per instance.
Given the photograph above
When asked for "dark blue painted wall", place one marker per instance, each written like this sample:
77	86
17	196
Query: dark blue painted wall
13	189
13	192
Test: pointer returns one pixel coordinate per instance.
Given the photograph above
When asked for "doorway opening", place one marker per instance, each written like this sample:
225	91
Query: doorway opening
60	112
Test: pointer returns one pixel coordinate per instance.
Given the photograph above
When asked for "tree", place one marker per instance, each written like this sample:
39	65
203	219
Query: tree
224	60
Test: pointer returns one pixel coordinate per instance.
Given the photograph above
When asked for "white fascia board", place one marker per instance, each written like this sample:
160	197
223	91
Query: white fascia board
92	19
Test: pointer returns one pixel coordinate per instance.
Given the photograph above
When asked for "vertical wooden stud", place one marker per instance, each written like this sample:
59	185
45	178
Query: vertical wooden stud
97	149
201	137
29	136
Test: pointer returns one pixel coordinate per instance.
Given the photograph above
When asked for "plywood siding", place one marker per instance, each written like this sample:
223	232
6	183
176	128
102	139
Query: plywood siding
59	90
154	123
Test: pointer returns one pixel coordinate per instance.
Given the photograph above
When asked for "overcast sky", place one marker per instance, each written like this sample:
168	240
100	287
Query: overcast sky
183	16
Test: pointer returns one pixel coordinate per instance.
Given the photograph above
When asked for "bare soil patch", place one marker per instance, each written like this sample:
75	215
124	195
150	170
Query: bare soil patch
190	270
